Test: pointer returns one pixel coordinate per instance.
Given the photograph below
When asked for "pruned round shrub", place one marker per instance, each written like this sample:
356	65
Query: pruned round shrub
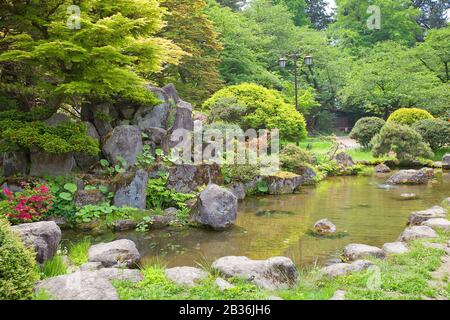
435	132
293	158
227	110
409	116
264	109
365	129
403	140
18	271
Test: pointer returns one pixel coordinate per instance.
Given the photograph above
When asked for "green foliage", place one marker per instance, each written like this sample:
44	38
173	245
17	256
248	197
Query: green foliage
160	197
105	211
435	132
54	267
265	109
78	252
18	271
63	191
111	170
239	173
409	116
406	143
226	110
293	158
365	129
145	159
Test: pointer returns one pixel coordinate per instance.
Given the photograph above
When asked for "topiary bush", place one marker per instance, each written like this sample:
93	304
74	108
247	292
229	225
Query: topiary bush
435	132
365	129
409	116
264	109
18	271
227	110
293	158
403	140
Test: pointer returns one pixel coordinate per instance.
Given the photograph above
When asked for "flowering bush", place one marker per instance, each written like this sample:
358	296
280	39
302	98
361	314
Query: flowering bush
30	205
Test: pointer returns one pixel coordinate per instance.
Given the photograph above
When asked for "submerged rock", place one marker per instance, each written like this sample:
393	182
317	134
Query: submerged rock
43	237
417	232
118	253
354	252
271	274
186	276
419	217
408	196
411	177
324	227
271	213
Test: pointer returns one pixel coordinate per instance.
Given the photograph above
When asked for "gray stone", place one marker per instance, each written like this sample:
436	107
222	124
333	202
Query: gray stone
343	269
15	162
411	177
417	232
124	225
186	178
408	196
99	116
115	254
126	142
61	222
88	197
57	119
274	298
395	248
223	284
446	162
271	274
91	266
172	93
238	189
438	224
87	285
183	117
156	135
43	237
216	208
309	176
186	276
419	217
339	295
324	227
429	172
382	168
133	194
85	161
283	183
353	252
46	164
344	160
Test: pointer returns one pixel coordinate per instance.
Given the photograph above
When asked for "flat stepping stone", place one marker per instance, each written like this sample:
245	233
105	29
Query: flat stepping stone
354	252
117	253
417	232
395	248
186	276
419	217
343	269
438	223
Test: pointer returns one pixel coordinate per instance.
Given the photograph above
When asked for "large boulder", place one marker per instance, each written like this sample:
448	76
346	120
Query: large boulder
395	248
324	227
43	237
134	193
216	208
101	116
417	232
344	160
343	269
183	117
186	276
15	162
446	162
46	164
118	253
57	119
171	93
438	224
88	197
271	274
85	161
410	177
87	285
382	168
354	252
154	117
238	189
186	178
125	141
419	217
283	183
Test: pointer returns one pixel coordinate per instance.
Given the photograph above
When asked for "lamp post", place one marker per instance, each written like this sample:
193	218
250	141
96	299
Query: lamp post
282	62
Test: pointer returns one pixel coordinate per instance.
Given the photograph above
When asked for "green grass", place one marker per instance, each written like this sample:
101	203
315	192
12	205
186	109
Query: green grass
439	154
54	267
78	252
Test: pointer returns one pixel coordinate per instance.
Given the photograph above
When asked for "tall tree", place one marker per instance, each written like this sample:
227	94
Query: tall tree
197	76
433	13
318	14
298	10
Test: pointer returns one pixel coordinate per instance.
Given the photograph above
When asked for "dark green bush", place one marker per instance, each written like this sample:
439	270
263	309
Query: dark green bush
226	110
409	116
403	140
293	158
365	129
435	132
18	271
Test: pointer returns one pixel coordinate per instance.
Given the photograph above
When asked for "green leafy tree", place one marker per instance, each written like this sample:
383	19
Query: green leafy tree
197	76
298	9
318	14
433	13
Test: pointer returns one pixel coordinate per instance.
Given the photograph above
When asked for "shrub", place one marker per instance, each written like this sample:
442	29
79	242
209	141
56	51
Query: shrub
226	110
409	116
365	129
30	205
403	140
292	158
240	172
264	109
435	132
18	271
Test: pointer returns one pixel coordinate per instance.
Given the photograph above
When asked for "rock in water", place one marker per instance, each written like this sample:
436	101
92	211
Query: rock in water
324	227
118	253
43	237
216	208
125	141
408	196
344	160
417	232
133	194
382	168
446	162
271	274
419	217
284	183
354	252
411	177
186	276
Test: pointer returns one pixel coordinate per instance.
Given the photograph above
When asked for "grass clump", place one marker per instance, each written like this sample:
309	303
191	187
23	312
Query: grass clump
54	267
78	252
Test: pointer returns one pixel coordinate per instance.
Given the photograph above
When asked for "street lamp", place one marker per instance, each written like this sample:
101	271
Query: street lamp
282	62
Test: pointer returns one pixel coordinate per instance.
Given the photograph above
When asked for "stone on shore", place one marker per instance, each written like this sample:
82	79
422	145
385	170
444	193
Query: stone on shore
382	168
118	253
343	269
419	217
395	248
417	232
438	224
186	276
354	252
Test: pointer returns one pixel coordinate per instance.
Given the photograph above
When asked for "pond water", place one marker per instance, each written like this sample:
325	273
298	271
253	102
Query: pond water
359	206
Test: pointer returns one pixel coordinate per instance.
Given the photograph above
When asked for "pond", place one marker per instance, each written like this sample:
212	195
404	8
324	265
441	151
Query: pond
361	208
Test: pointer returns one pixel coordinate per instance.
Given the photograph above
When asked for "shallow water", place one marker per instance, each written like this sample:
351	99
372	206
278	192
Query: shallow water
357	205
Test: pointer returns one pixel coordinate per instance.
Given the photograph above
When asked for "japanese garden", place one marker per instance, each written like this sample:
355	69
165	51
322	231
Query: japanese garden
224	150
